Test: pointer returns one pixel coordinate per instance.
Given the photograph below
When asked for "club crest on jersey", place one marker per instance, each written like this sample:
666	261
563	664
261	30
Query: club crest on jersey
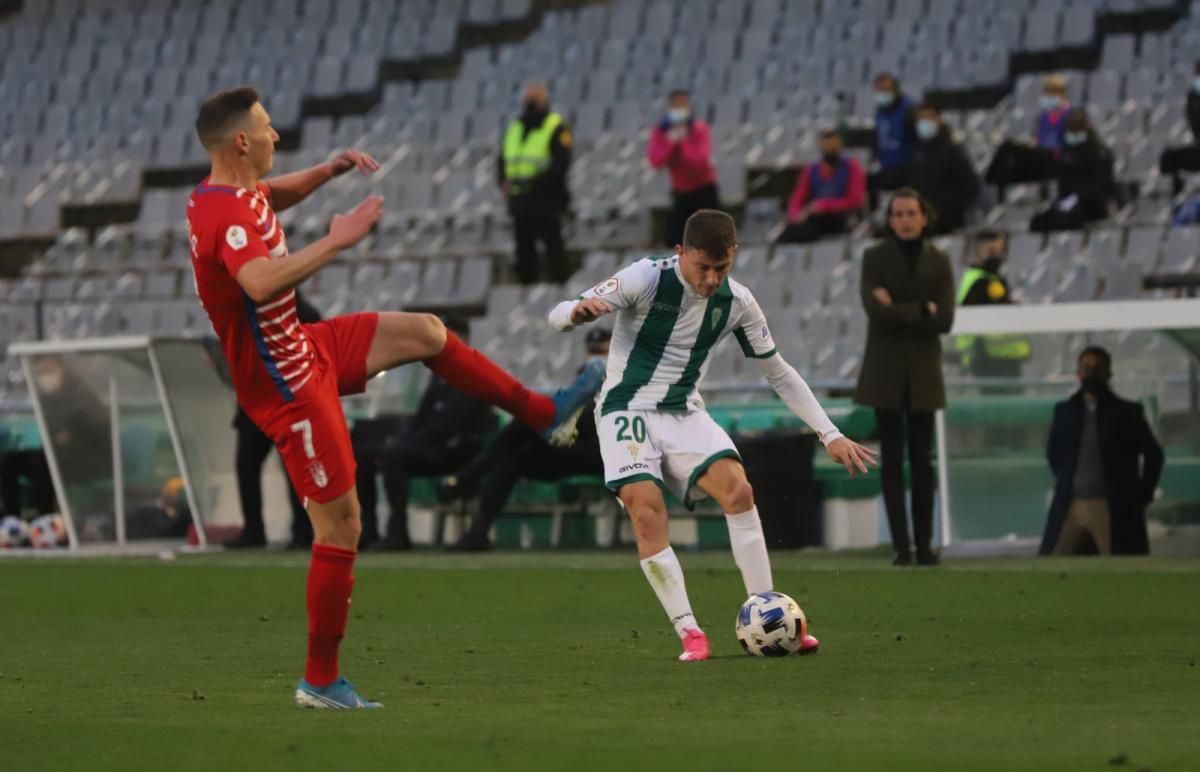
236	237
606	287
317	470
633	450
716	316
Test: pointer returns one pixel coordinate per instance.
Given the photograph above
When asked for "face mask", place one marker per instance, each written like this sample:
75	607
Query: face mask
679	114
1075	138
1051	102
884	98
534	108
1196	84
927	129
992	264
831	158
1094	384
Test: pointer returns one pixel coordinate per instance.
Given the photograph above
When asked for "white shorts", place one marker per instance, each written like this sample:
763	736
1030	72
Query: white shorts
673	449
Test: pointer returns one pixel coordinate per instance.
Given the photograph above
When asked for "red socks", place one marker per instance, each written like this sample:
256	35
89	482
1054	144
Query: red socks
329	587
472	373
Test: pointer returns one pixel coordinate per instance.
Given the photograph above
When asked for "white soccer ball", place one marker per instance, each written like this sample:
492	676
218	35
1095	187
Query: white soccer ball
47	531
13	532
770	624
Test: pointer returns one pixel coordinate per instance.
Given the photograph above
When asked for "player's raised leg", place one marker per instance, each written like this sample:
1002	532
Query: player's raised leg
644	502
726	482
401	338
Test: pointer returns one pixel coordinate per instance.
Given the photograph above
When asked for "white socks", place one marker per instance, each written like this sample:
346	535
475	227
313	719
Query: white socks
750	551
666	577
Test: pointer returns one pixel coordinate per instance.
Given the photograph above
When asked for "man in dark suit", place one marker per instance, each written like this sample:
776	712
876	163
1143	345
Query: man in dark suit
1106	463
907	291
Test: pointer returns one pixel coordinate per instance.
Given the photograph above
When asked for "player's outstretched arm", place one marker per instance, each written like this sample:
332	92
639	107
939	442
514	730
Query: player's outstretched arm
627	288
799	398
287	190
263	278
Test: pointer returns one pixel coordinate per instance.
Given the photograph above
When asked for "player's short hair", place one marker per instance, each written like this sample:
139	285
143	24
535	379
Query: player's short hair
1100	353
711	231
221	112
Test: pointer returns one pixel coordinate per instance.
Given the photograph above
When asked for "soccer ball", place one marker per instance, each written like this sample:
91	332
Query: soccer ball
770	624
47	531
13	532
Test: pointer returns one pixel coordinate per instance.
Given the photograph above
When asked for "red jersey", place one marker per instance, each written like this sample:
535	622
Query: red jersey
270	355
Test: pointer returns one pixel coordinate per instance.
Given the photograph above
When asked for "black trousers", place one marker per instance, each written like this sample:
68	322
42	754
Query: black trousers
253	447
1015	162
814	227
545	227
518	452
31	465
685	204
1185	158
399	464
914	429
1053	218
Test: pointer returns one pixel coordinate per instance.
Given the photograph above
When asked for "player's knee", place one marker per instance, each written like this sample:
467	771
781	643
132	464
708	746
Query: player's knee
645	516
432	332
740	497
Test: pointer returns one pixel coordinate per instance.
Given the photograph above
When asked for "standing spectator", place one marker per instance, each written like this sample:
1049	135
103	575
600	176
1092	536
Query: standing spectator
253	448
1106	464
682	143
829	197
532	173
1187	157
983	284
942	172
1022	162
907	289
521	452
895	135
1085	180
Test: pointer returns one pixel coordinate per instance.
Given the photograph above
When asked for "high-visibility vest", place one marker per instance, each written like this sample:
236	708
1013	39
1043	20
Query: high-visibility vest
526	155
1013	347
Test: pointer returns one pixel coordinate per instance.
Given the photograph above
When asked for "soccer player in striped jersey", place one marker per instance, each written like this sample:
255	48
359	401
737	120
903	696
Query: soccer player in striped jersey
654	432
289	376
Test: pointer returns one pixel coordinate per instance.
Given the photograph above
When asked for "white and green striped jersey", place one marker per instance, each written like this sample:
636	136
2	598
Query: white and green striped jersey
665	333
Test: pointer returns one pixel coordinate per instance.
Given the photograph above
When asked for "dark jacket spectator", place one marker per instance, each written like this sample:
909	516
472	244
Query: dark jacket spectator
942	172
1085	180
1106	466
1185	158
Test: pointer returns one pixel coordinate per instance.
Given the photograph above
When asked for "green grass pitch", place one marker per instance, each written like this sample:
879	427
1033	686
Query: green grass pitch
565	661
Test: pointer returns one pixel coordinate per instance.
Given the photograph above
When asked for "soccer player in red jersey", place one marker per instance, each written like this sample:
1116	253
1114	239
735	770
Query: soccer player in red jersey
289	376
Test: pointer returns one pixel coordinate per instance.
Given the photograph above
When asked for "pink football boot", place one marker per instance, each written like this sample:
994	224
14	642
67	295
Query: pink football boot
809	644
695	646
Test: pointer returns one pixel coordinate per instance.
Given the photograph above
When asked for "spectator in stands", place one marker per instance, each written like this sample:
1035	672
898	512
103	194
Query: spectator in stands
829	197
907	290
1187	157
1085	180
895	135
1016	162
444	433
1106	465
520	452
1187	212
942	172
983	284
682	143
532	173
253	448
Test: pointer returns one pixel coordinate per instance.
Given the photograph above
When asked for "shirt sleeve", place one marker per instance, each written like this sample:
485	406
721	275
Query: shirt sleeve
238	239
625	289
752	332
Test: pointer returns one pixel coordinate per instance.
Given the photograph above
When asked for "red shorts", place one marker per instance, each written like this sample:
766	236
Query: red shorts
310	431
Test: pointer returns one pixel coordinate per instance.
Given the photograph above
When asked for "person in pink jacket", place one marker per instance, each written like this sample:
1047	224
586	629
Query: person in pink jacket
682	143
829	196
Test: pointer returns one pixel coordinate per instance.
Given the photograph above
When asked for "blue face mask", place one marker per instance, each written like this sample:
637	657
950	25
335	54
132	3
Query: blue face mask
884	98
927	129
679	114
1050	102
1075	138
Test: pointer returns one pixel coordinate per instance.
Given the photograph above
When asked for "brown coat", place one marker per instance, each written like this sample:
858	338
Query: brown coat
904	347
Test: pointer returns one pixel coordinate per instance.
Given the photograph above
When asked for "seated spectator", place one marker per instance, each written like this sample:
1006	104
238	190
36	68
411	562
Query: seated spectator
895	135
445	432
1016	162
942	172
682	143
520	452
1187	212
1106	465
1186	157
1085	180
829	195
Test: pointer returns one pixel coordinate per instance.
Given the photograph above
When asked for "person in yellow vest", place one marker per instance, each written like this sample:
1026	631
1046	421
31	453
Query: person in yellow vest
532	172
989	356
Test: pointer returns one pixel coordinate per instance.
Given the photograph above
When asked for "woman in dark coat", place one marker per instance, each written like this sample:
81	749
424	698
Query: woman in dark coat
907	289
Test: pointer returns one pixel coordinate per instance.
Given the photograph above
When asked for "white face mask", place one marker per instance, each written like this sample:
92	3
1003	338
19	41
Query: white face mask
1075	138
884	98
1049	102
927	129
679	114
